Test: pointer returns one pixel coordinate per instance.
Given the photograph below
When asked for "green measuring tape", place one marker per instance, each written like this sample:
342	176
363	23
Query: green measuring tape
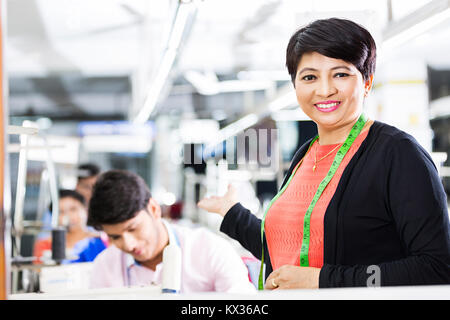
304	262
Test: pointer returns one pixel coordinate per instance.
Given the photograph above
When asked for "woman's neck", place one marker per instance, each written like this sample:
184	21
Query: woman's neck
338	135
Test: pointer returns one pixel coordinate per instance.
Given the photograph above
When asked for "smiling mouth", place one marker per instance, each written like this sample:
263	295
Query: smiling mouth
327	106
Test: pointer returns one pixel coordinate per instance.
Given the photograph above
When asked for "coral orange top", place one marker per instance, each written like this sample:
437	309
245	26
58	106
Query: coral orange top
284	220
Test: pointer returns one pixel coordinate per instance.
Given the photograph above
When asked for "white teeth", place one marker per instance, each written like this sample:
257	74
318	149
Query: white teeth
327	106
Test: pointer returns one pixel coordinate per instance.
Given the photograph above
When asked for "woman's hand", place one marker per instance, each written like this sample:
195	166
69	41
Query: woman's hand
293	277
220	205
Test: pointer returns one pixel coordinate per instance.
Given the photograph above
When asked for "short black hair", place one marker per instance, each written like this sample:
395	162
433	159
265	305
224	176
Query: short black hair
87	170
118	196
335	38
68	193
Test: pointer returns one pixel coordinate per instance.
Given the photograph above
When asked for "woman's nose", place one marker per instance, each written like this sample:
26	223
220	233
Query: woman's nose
325	88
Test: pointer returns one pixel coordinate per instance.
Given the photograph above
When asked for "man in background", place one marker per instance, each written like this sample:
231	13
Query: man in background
122	207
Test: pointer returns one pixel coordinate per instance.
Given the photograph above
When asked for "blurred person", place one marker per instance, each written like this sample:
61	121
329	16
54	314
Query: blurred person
87	174
81	244
362	203
122	207
86	178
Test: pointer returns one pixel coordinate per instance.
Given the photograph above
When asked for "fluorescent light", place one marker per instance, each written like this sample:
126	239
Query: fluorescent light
285	97
176	34
207	84
116	143
197	130
420	21
416	30
62	149
233	129
204	84
157	85
273	75
244	85
286	100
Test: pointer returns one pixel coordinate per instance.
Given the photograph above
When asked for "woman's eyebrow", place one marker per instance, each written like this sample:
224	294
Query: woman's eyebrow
341	67
334	68
306	69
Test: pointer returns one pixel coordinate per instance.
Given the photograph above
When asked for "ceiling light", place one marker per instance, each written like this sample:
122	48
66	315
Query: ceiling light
416	23
156	86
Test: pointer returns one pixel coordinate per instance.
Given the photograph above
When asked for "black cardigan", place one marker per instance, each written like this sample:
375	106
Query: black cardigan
389	210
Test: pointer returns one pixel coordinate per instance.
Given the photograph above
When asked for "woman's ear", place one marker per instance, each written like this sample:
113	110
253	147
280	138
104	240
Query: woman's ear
368	85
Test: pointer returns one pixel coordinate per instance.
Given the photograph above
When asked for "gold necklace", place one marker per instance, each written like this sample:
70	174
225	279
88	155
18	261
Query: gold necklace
315	155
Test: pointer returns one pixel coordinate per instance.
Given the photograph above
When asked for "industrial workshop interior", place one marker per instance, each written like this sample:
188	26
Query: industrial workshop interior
145	142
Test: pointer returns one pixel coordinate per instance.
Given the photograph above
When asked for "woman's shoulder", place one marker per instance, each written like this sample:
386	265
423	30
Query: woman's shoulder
398	143
393	136
391	131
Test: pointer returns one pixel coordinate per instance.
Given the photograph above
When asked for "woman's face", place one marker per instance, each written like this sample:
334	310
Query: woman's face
72	213
330	91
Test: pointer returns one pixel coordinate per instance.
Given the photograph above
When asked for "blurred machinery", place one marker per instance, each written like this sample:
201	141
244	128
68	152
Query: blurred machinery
35	147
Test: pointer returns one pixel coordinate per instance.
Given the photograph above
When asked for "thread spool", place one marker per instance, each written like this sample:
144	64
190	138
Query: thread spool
58	244
171	273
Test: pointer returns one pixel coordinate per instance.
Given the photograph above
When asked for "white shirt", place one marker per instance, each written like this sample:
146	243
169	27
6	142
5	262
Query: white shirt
209	263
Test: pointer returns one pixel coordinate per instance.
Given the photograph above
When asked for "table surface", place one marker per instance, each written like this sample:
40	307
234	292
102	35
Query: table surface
438	292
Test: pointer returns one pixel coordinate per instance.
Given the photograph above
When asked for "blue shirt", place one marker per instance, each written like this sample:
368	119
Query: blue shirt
87	249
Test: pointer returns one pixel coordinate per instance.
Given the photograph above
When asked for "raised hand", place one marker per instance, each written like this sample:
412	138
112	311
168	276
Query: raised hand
222	204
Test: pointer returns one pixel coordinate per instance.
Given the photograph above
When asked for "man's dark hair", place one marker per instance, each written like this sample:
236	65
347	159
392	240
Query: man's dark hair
87	170
335	38
118	196
67	193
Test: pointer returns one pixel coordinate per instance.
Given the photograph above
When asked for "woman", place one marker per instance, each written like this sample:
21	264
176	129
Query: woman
81	243
362	203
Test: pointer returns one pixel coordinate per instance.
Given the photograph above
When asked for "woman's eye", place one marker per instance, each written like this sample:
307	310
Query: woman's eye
309	77
341	75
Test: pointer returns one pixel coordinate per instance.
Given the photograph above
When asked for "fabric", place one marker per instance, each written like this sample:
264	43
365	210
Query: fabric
209	263
42	246
86	249
284	220
389	210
